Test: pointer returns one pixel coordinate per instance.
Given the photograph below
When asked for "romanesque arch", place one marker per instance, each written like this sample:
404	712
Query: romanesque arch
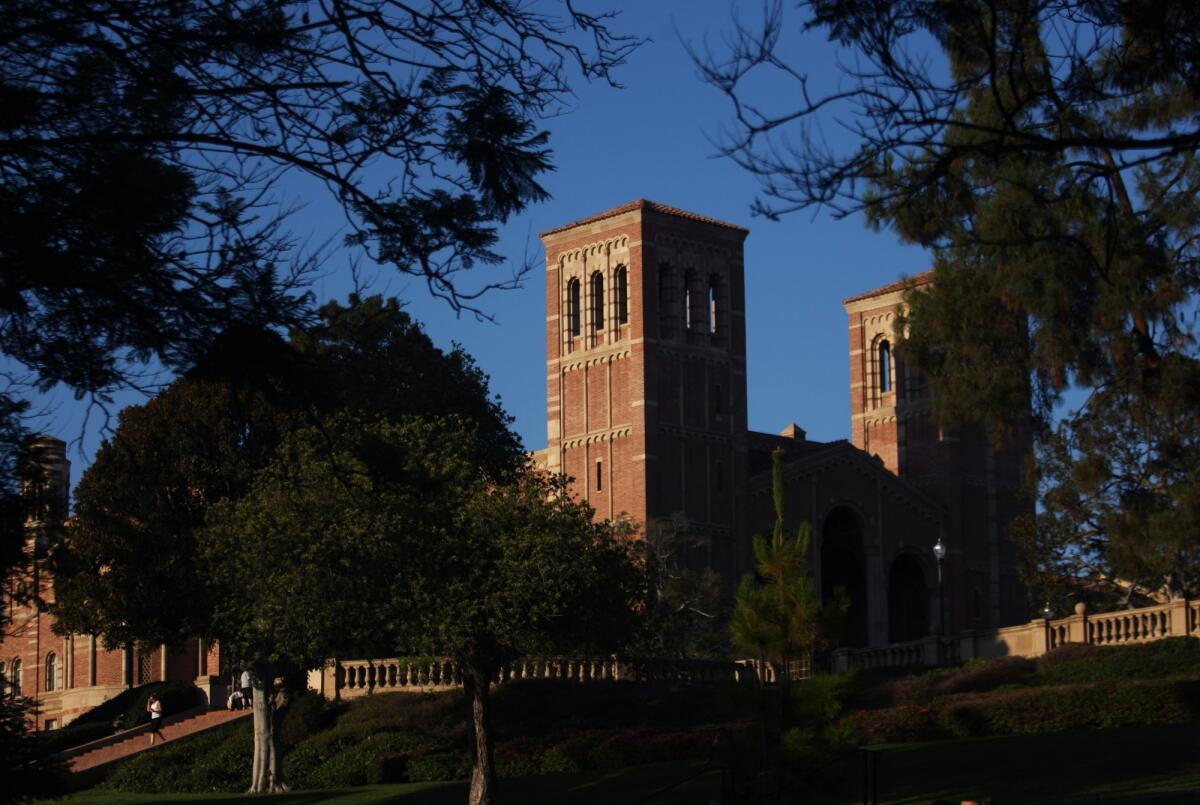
908	599
843	566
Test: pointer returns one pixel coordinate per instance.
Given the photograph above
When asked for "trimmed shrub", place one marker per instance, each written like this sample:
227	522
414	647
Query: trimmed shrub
72	735
306	715
978	677
1027	711
1162	659
439	766
216	760
362	763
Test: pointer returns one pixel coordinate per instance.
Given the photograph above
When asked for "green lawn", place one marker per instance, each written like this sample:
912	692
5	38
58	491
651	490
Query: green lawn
623	787
1154	765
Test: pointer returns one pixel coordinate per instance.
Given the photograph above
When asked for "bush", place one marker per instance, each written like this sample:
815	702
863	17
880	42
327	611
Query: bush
216	760
45	744
1162	659
1027	711
305	716
440	766
373	759
978	677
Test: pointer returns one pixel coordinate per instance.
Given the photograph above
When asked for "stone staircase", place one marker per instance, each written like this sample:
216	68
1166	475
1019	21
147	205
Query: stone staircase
131	742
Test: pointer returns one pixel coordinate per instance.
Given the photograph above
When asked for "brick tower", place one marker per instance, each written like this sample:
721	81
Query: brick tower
646	345
892	417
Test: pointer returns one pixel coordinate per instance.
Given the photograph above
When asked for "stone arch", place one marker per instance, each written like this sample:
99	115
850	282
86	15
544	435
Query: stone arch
622	283
843	566
596	296
51	672
574	307
908	599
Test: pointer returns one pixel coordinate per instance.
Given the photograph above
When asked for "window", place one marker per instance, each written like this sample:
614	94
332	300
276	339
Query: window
599	476
51	724
976	605
51	671
622	295
720	477
712	305
3	678
597	301
689	301
573	307
717	399
885	367
17	683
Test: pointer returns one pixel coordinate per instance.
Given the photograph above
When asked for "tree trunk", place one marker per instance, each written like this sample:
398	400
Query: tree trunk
483	774
266	765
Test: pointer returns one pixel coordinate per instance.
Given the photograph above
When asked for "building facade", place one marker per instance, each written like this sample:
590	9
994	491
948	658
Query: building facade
646	377
66	675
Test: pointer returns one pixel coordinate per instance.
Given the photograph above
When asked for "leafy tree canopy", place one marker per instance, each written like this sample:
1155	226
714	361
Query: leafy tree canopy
520	568
140	505
149	150
1045	153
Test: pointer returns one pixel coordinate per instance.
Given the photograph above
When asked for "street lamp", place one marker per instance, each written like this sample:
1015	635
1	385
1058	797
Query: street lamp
939	551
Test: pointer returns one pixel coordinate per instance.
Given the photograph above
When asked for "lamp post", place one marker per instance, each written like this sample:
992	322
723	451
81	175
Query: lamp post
939	551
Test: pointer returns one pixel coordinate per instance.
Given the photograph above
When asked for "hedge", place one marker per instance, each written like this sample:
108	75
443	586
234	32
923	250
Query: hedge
1035	710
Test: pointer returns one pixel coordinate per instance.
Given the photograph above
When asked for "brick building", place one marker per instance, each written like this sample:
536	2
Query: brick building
646	372
67	675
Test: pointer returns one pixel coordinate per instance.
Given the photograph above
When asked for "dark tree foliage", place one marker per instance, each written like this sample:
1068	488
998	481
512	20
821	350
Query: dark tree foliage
516	568
149	150
1044	150
140	506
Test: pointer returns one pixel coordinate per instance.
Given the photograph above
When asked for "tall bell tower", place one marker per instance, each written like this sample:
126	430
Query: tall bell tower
646	370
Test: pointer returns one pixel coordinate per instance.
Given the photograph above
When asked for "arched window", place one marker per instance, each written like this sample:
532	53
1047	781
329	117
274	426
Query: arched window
51	671
597	301
885	367
717	403
573	307
720	477
689	301
622	295
712	304
3	678
17	682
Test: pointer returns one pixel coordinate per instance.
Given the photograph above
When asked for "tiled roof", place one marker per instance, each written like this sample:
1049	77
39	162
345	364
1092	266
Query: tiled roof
644	204
919	279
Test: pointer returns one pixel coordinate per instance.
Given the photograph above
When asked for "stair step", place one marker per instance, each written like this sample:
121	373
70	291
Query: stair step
140	741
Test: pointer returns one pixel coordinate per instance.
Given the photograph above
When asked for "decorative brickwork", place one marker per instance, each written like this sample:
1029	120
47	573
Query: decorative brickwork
646	377
66	676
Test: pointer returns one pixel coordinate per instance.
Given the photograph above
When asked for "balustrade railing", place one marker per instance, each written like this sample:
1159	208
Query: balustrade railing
1173	619
350	678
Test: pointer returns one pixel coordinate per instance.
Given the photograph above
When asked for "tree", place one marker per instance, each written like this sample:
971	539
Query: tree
1045	152
687	607
148	151
520	569
303	567
778	613
140	505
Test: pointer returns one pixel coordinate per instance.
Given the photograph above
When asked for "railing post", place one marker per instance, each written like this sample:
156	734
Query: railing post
1039	630
1077	631
1177	617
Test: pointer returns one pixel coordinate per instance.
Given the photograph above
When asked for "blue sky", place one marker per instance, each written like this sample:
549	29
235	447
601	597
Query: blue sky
651	139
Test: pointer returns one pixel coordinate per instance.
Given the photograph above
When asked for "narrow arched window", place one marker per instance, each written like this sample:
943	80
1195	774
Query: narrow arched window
17	682
717	399
599	476
720	477
3	678
885	367
712	305
689	302
51	671
622	295
573	307
597	301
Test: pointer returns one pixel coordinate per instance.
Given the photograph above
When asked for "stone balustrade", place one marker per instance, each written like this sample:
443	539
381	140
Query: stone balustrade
1173	619
342	679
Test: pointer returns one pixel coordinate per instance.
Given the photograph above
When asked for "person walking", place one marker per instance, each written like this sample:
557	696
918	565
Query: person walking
247	691
155	709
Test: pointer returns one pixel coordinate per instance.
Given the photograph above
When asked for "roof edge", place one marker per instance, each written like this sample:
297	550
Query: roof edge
923	278
644	204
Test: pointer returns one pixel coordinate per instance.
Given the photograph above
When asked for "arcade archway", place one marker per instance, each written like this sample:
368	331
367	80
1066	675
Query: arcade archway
908	600
842	565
